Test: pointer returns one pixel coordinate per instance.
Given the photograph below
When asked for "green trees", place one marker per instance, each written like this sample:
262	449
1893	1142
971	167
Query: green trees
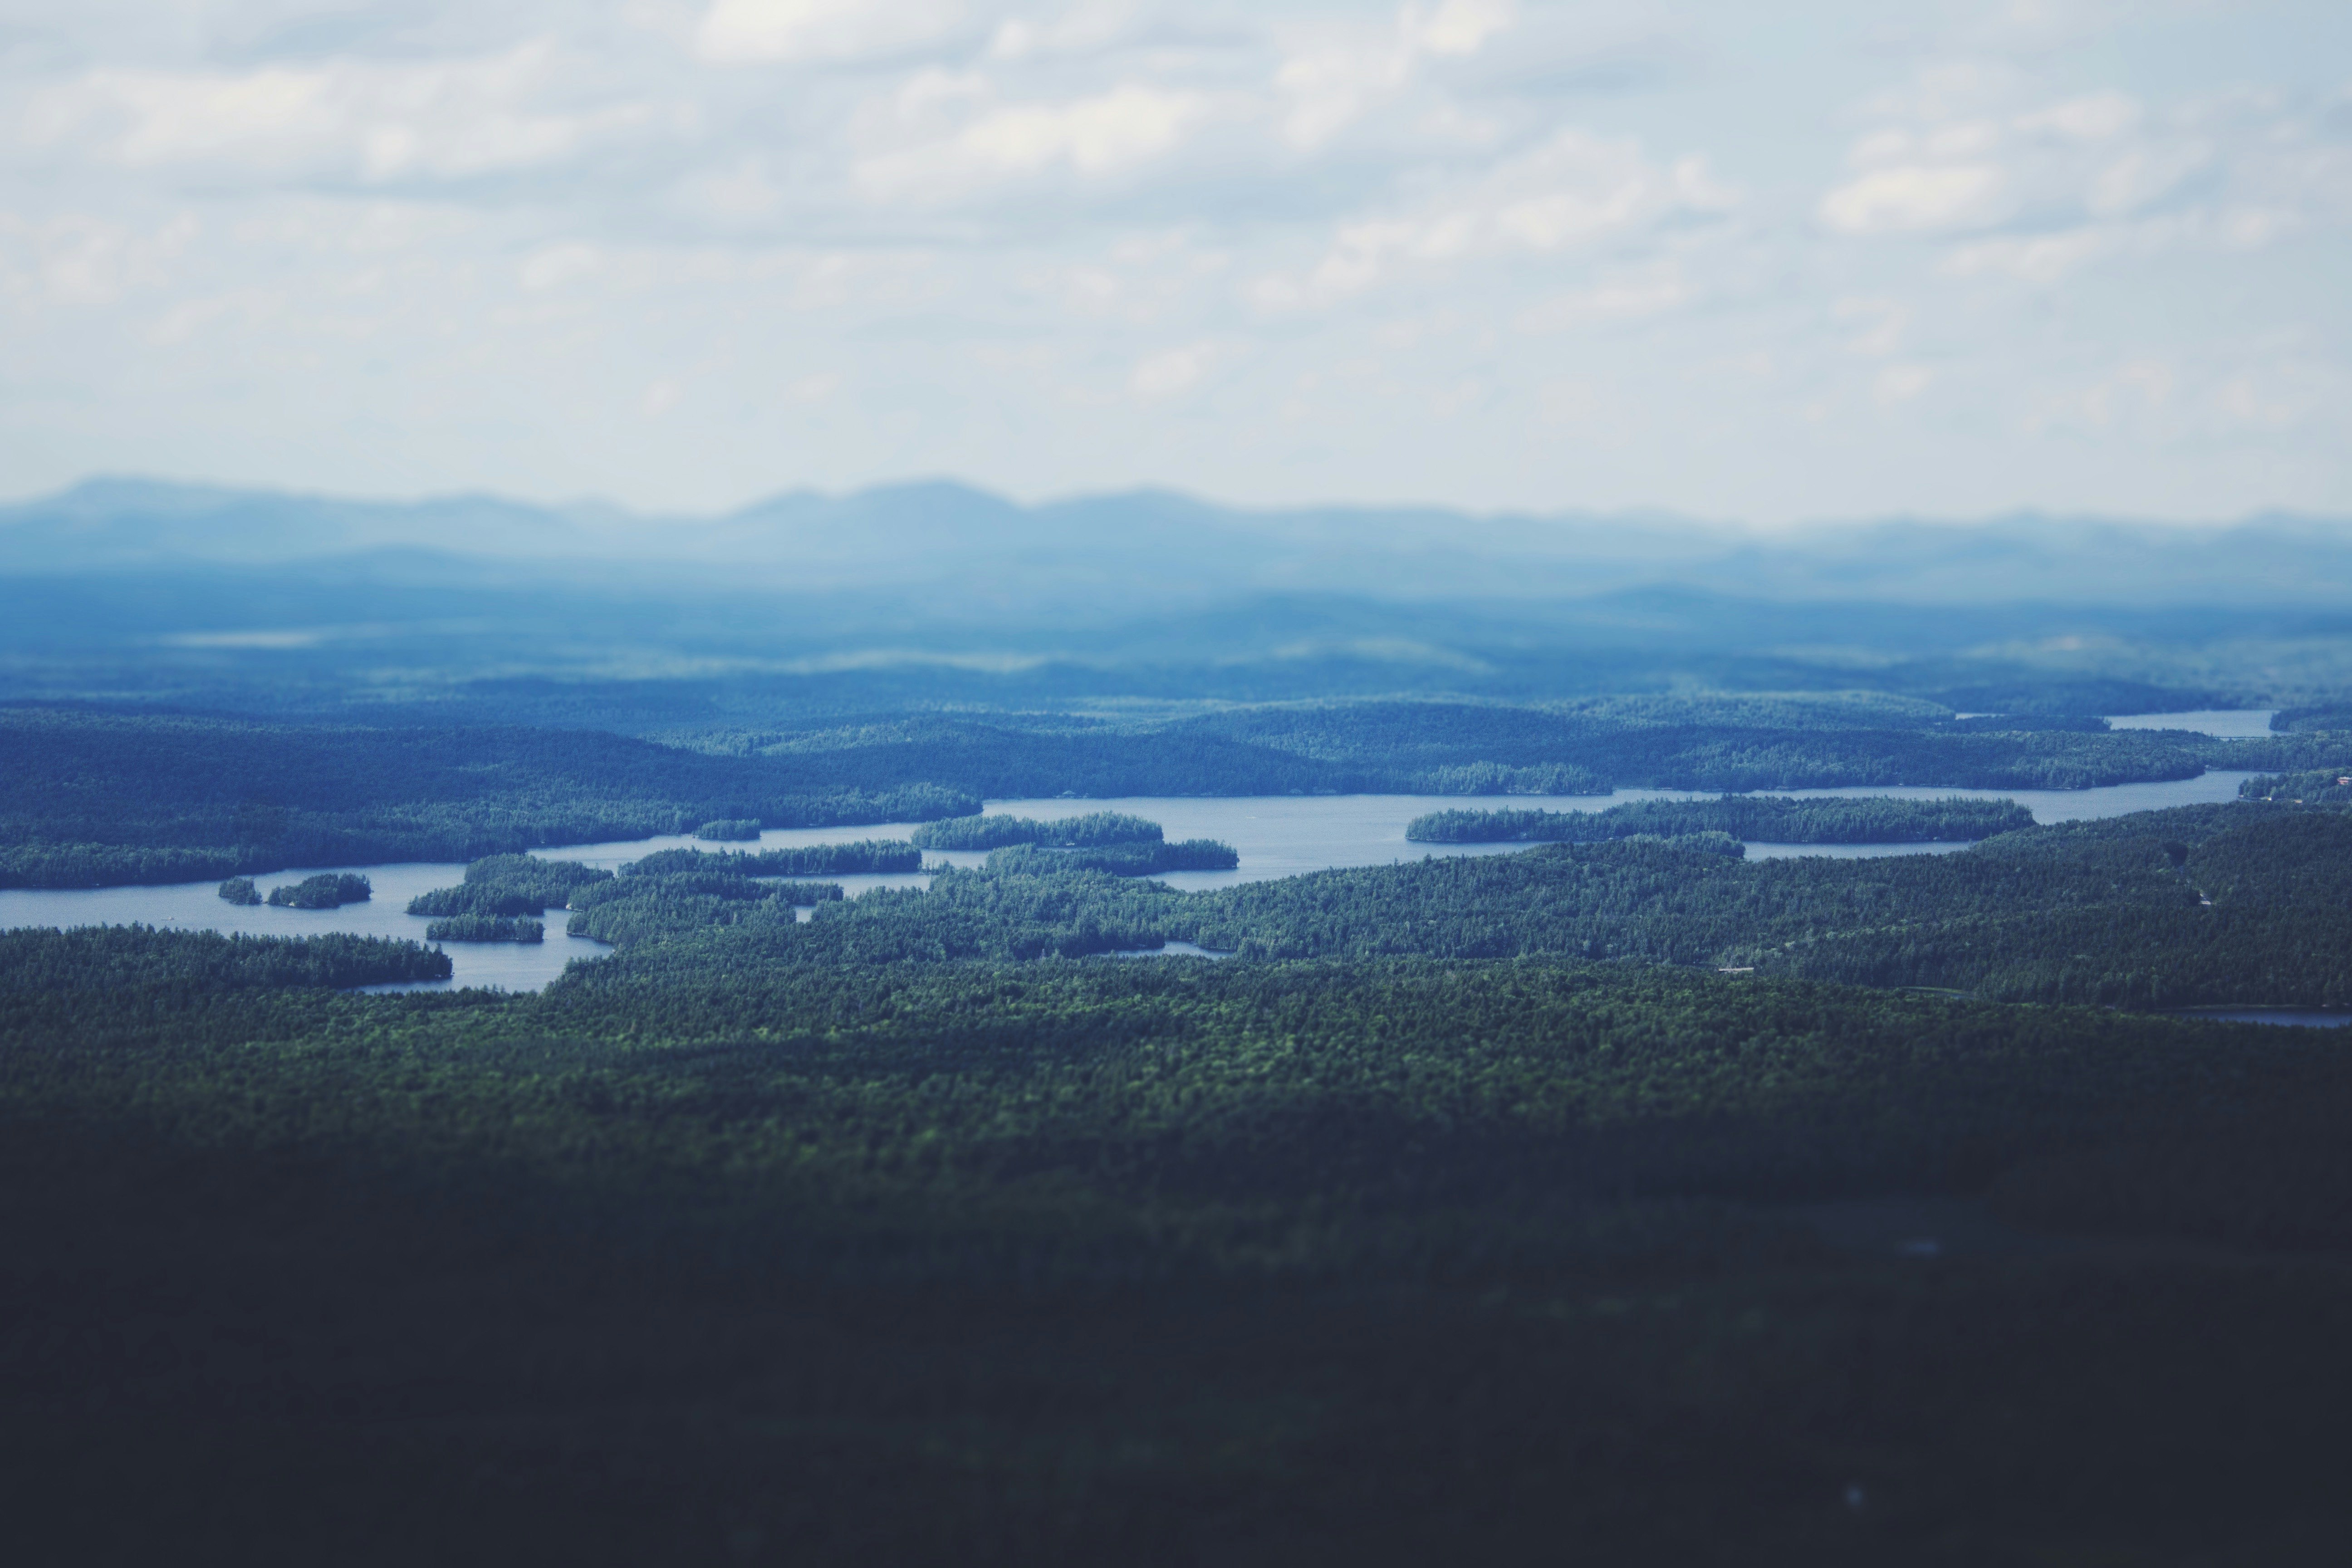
1094	830
509	885
91	799
486	927
702	892
325	891
2324	786
2199	906
1766	818
240	891
1118	859
864	857
743	829
134	966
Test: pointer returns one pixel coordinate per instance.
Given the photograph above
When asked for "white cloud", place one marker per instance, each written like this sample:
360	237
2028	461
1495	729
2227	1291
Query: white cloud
1915	198
2036	191
1457	26
80	259
557	264
2096	117
372	123
1623	299
1029	232
1572	191
1093	137
1172	372
1902	382
1340	75
2042	259
750	32
1883	323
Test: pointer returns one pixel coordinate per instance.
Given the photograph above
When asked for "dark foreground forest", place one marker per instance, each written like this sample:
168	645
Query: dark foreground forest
1613	1198
1369	1260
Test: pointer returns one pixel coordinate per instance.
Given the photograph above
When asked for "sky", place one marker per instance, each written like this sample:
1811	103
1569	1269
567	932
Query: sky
1754	263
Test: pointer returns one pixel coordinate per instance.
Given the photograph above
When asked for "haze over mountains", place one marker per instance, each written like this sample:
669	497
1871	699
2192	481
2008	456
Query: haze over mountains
1161	548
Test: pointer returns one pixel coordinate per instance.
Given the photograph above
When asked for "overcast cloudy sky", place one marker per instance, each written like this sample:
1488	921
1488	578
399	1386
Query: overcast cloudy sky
1750	261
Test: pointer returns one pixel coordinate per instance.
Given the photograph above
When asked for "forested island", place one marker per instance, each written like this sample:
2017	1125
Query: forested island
864	857
1766	818
506	885
329	891
486	927
1145	859
1093	831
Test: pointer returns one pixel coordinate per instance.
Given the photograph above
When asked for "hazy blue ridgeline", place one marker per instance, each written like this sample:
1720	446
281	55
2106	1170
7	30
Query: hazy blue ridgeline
1763	819
998	832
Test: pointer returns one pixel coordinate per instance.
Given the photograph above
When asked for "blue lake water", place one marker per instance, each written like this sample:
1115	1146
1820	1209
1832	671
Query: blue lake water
2299	1017
2225	723
1278	836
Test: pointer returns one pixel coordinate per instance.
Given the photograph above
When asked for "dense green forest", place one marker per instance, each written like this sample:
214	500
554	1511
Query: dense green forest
89	798
2327	787
2153	909
509	885
704	1257
1765	819
1094	830
144	969
240	891
325	891
739	830
866	857
1465	1213
1459	748
1118	859
680	892
486	927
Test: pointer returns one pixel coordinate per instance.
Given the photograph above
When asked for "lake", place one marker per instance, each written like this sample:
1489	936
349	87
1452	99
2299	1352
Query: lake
2301	1017
2223	723
1278	836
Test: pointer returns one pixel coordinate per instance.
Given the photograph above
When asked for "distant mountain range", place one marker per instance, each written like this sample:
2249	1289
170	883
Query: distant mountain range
1120	554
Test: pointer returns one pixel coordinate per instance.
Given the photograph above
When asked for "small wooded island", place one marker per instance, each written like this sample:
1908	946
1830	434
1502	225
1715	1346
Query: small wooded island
1770	819
325	891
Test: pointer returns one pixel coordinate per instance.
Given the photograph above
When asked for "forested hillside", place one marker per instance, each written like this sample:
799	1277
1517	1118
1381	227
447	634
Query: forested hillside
89	798
1762	818
701	1252
2198	905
